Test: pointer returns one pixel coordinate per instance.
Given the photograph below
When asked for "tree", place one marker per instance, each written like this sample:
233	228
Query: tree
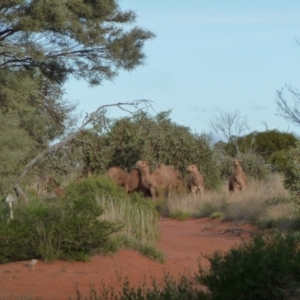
155	139
231	126
68	139
42	44
290	113
267	142
84	39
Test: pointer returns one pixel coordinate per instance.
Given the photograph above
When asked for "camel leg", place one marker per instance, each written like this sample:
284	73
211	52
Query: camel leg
153	192
194	191
201	191
170	189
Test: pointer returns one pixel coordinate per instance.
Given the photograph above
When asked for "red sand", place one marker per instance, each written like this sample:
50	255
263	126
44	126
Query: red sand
183	243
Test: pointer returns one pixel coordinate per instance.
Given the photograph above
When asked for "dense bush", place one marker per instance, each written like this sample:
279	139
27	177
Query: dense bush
155	139
278	160
266	267
252	164
91	187
266	142
55	230
292	171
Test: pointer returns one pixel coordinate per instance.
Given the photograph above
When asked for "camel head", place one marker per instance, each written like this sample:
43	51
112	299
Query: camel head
236	162
142	164
192	168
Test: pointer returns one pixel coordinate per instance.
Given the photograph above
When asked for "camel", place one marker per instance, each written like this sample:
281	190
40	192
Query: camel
159	181
195	181
134	182
117	174
238	179
177	180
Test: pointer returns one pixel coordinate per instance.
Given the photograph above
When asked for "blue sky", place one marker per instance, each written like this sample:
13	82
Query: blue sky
208	57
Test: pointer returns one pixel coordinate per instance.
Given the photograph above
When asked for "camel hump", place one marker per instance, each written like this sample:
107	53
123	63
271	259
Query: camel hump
117	174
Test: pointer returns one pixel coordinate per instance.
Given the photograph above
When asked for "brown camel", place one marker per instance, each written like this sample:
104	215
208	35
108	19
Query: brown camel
195	181
177	180
158	182
238	179
134	182
117	174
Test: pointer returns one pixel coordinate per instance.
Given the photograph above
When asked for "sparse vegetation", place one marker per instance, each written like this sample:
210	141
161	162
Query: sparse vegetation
80	224
265	203
55	230
266	267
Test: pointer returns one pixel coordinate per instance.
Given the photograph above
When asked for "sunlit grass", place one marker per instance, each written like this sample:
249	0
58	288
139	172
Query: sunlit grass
140	224
264	202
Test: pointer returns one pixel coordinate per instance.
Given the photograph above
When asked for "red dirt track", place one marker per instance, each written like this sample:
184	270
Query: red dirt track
182	243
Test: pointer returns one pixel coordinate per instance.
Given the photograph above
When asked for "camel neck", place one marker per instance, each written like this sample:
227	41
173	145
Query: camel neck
238	169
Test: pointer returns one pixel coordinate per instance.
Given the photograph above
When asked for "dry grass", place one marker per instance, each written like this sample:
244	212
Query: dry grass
197	206
140	220
262	200
251	204
279	211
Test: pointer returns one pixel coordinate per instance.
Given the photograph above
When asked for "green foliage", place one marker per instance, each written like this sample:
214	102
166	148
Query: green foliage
268	142
217	215
292	170
152	252
179	215
212	205
278	159
90	187
266	267
271	145
168	289
136	215
43	44
59	230
32	114
253	165
85	39
155	139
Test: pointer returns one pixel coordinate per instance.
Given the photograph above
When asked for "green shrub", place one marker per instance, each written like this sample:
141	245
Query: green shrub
58	230
217	215
252	164
292	170
92	186
168	289
179	215
278	159
266	267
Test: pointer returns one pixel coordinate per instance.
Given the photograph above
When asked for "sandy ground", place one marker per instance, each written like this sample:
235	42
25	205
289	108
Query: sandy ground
183	243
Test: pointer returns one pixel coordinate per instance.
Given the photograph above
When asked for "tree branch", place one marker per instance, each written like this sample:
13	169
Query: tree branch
290	113
58	146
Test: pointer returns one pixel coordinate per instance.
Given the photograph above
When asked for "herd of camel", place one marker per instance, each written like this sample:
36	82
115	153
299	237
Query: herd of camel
164	180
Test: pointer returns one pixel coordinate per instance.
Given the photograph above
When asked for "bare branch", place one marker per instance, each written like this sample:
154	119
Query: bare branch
290	113
230	125
58	146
